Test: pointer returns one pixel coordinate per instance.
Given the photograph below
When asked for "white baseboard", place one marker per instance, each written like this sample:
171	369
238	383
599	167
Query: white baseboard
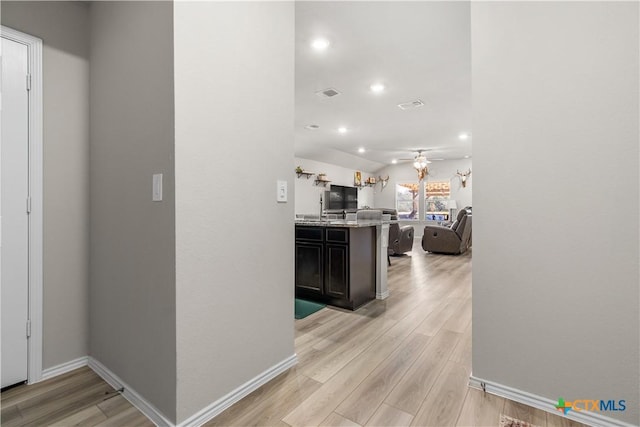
151	411
382	295
63	368
130	394
545	404
214	409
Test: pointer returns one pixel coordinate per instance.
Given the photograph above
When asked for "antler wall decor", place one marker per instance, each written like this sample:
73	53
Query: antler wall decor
383	181
463	176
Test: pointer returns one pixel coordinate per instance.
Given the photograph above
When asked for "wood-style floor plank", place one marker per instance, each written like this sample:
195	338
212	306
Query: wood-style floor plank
63	404
87	417
74	398
388	416
345	351
23	393
462	352
436	320
10	414
336	420
368	396
326	399
130	417
114	405
444	401
270	403
480	409
414	386
395	362
460	319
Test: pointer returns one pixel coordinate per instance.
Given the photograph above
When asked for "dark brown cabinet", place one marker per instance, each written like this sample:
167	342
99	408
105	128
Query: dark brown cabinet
310	258
336	283
335	265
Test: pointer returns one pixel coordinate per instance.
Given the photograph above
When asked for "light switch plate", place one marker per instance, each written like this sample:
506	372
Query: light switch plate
157	188
281	196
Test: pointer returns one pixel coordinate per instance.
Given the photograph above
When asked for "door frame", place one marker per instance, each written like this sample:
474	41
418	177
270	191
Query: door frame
35	315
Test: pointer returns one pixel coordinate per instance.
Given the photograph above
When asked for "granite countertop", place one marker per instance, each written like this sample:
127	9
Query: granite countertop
341	223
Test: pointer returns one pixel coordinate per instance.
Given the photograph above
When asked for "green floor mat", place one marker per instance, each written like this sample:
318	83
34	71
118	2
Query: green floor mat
305	308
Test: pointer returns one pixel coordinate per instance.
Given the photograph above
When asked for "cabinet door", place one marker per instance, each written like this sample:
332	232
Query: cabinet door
309	263
337	271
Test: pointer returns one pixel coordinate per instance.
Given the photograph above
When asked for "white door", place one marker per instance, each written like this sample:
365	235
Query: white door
14	223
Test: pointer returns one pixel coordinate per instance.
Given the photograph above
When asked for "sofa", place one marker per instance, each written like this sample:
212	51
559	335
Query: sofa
454	239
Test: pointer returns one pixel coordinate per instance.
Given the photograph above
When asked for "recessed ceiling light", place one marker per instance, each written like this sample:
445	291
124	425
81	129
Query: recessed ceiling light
320	44
377	88
342	129
361	150
394	161
466	157
463	136
312	127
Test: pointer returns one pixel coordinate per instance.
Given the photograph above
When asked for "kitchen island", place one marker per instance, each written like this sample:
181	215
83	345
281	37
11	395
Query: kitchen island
339	262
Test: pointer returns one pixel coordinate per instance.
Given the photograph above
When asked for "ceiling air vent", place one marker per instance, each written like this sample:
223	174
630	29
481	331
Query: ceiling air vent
411	105
328	93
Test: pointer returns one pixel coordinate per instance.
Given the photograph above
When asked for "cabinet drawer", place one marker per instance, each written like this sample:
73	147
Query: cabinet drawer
338	235
309	233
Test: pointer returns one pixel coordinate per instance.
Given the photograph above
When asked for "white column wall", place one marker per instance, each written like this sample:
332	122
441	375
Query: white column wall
234	81
555	134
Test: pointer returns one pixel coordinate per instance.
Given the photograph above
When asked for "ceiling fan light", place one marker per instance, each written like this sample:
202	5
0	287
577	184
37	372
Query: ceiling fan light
420	162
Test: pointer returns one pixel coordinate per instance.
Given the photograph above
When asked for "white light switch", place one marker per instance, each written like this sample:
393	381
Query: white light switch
157	187
282	192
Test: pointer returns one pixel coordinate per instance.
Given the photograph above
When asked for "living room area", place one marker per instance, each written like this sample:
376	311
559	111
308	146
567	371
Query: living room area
380	126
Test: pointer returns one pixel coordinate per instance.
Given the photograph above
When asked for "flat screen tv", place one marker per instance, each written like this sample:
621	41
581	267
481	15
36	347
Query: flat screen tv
341	197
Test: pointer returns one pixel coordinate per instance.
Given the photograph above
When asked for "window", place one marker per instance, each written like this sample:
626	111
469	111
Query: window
407	200
436	200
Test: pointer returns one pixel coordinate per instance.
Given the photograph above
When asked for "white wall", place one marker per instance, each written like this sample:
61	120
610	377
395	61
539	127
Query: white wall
132	289
308	193
234	86
555	279
444	170
64	30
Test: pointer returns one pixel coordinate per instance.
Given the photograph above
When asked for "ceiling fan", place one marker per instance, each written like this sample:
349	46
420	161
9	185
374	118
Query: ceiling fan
420	163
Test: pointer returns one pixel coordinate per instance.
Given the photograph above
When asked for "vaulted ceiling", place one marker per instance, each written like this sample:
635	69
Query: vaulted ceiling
417	50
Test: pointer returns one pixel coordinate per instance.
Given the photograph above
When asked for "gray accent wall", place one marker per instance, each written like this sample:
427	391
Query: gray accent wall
556	153
234	107
132	291
64	30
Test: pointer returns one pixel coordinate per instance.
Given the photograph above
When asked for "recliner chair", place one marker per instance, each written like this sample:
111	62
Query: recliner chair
453	240
400	239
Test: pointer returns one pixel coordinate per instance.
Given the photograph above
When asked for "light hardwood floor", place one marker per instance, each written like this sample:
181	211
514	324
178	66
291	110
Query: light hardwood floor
398	362
79	397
